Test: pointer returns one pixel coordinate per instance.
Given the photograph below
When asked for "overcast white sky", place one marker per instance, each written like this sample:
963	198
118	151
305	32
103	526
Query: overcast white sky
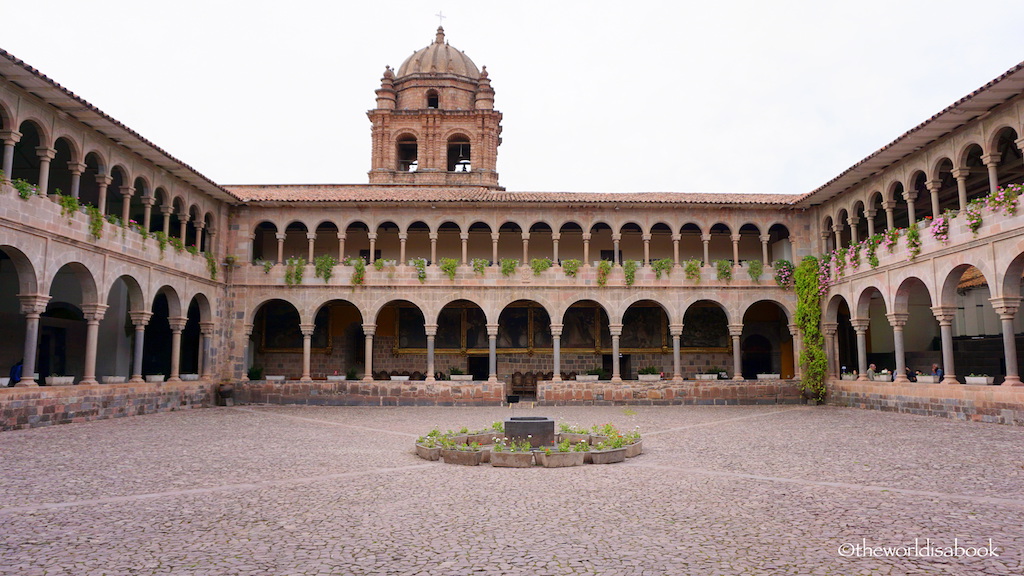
726	96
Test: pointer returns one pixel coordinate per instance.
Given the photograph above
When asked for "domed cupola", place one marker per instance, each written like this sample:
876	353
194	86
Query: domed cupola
435	121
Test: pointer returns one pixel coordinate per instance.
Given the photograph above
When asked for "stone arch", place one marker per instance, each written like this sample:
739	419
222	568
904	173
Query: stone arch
28	282
766	344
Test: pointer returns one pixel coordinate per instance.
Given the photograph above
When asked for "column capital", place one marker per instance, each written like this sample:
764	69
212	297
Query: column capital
148	200
430	329
944	314
556	330
870	213
933	186
615	329
897	319
735	329
910	195
677	237
168	210
177	323
645	237
369	236
140	319
616	236
556	236
369	329
960	173
94	312
888	204
45	153
860	324
585	236
464	236
280	236
127	191
838	227
76	167
341	235
1005	306
495	236
794	329
829	328
492	329
675	329
307	329
526	235
853	220
206	328
33	303
403	236
764	238
104	179
310	235
991	159
735	237
705	237
199	224
10	136
247	327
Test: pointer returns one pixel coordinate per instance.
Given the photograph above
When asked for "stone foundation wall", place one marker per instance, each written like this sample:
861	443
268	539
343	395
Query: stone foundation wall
48	405
715	392
377	393
995	404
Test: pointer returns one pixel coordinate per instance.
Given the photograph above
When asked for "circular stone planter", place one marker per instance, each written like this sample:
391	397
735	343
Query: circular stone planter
573	438
635	449
462	457
608	456
512	459
560	459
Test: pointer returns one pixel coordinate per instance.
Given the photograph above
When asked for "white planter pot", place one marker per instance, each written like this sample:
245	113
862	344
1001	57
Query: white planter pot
648	377
155	378
927	379
5	382
883	378
779	377
979	380
189	377
336	378
400	378
60	380
461	377
707	376
275	378
587	377
112	379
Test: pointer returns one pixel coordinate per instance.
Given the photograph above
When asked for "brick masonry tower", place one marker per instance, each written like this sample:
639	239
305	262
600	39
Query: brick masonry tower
435	122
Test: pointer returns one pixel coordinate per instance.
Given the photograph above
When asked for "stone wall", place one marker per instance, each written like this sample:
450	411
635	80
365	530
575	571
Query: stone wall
664	392
32	407
378	393
995	404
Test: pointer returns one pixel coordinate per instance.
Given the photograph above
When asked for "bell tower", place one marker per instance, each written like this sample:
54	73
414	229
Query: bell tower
435	122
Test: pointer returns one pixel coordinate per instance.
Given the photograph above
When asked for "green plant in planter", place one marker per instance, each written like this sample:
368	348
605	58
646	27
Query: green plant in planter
211	265
358	270
629	270
193	249
723	270
324	267
68	205
480	265
385	264
455	371
177	244
599	372
265	264
913	241
539	265
255	373
350	374
508	266
649	370
604	268
663	266
571	267
420	264
95	221
691	268
25	189
161	241
755	268
449	266
294	268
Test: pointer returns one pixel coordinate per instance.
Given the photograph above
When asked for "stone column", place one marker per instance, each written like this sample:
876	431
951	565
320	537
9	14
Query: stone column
494	248
910	196
402	239
961	175
616	331
616	258
341	247
200	226
147	214
76	169
860	326
736	330
898	320
555	237
246	360
526	248
307	349
492	355
166	212
837	231
853	221
464	237
675	249
205	336
183	229
311	240
829	330
735	249
177	325
647	249
10	138
1007	309
586	249
31	306
933	188
556	351
126	203
45	155
764	249
945	315
102	182
870	215
431	335
433	248
794	331
139	321
890	219
372	236
368	331
992	163
824	240
706	239
280	246
93	315
676	330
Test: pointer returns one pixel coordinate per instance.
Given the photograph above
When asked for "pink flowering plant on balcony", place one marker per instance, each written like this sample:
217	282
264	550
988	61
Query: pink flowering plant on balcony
940	226
853	254
891	238
973	214
839	258
1005	198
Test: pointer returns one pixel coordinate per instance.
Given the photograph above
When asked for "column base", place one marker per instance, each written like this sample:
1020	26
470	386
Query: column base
901	379
305	379
863	378
616	379
678	378
367	378
949	379
174	379
1012	381
556	378
430	379
88	382
738	378
136	380
26	384
492	378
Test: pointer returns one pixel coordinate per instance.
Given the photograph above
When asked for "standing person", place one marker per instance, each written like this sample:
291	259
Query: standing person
16	372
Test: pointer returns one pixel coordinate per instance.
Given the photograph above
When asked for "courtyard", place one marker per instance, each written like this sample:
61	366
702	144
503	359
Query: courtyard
294	490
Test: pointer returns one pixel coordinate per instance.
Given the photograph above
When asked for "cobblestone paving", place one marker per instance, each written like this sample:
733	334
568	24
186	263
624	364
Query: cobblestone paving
289	490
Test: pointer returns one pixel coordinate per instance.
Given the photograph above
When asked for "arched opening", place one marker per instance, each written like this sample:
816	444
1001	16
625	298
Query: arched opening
541	241
1011	159
178	218
136	203
977	177
326	243
661	243
156	357
977	329
459	154
60	172
296	241
779	245
645	341
116	330
705	342
115	194
479	242
586	341
433	100
337	342
691	246
510	241
417	244
631	243
16	277
449	241
88	187
570	242
400	341
860	225
195	216
766	346
828	236
900	212
720	245
749	246
461	342
923	202
843	223
264	243
407	153
948	195
921	339
843	357
161	205
386	246
524	346
276	336
880	347
875	212
26	157
601	245
357	241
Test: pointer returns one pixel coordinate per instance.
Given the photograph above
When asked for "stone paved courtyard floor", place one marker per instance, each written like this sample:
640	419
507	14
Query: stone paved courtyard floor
282	490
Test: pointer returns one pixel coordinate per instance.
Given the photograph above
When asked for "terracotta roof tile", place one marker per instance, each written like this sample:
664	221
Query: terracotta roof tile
401	193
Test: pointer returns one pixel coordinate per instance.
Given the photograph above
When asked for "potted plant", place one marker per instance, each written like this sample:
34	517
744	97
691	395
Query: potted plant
928	378
610	451
192	377
58	380
648	374
155	378
511	453
270	378
592	375
562	455
255	373
710	374
112	379
777	376
429	447
336	377
458	374
883	375
573	434
463	454
979	379
844	375
634	444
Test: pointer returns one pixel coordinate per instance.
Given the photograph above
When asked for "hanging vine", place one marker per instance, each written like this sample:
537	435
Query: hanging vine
604	268
813	364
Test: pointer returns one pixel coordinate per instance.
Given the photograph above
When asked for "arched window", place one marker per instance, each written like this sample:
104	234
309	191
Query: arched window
459	154
433	101
407	152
